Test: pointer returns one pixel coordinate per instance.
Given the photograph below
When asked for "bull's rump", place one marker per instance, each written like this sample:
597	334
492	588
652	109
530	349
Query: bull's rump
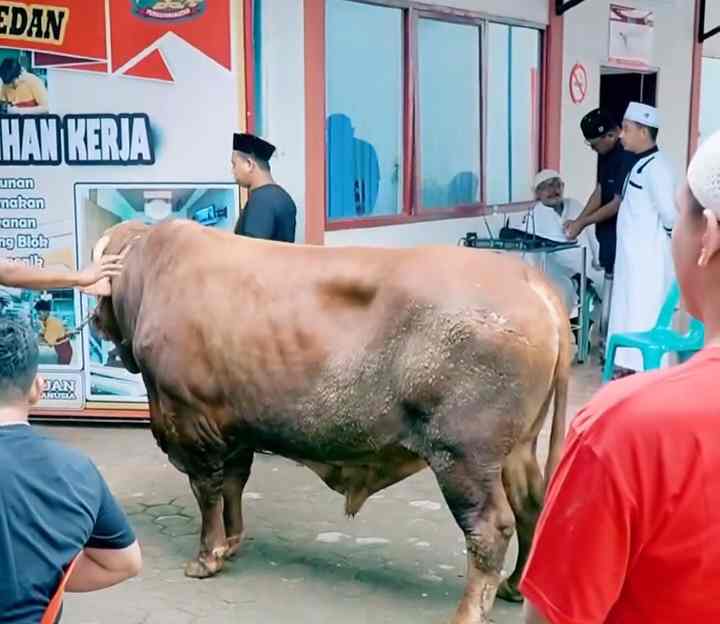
331	352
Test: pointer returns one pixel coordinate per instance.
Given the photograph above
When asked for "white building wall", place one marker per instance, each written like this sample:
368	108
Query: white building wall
283	104
710	85
586	42
283	114
711	47
444	232
528	10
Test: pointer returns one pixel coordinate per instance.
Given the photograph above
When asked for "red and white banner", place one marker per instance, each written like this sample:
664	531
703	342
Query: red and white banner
82	149
631	36
115	36
70	28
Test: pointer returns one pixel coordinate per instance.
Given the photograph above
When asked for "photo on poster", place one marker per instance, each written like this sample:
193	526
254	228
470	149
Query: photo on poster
101	206
53	315
34	234
23	87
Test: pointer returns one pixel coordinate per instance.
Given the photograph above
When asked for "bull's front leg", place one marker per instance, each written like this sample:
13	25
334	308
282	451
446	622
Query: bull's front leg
213	545
236	475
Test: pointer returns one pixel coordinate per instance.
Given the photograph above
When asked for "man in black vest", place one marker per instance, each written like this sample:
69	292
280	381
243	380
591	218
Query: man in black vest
270	212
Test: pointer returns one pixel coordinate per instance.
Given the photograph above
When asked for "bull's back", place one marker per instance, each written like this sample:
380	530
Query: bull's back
330	347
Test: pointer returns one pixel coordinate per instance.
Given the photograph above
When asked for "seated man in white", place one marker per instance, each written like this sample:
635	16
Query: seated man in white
546	219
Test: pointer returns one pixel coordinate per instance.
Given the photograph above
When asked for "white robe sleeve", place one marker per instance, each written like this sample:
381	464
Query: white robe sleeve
661	188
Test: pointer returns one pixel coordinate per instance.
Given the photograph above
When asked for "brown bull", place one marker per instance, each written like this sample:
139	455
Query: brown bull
366	365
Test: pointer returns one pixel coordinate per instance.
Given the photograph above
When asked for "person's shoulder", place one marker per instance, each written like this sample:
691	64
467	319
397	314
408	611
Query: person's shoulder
633	408
280	190
628	158
66	457
284	198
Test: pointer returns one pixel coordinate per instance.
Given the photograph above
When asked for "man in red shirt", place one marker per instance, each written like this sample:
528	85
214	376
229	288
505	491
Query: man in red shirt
630	530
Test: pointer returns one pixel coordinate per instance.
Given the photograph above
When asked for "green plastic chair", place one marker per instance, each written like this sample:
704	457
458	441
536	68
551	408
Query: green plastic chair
658	341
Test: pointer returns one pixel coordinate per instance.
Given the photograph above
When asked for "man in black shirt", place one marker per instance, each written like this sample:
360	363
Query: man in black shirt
56	506
270	212
602	134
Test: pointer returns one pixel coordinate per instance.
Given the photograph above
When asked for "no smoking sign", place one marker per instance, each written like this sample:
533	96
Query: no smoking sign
578	84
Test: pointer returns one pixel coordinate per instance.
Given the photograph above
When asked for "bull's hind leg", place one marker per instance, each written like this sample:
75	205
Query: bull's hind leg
236	475
474	493
524	487
208	491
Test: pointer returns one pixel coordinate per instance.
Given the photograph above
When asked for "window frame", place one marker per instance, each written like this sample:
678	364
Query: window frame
537	123
411	209
416	208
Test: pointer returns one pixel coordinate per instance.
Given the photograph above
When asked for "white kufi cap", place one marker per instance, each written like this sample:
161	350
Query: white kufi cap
643	114
544	176
703	174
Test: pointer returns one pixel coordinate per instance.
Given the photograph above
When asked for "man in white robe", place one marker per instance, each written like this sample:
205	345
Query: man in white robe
546	219
643	263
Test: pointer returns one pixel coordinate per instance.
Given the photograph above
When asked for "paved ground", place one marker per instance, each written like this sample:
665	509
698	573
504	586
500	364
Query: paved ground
401	560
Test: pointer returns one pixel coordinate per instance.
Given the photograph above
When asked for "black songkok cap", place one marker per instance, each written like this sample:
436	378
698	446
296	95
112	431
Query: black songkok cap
255	146
596	123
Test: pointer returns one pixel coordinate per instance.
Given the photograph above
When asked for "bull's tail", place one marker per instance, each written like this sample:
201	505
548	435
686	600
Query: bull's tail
560	402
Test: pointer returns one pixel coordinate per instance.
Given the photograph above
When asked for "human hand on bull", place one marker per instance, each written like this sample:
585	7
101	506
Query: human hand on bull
106	266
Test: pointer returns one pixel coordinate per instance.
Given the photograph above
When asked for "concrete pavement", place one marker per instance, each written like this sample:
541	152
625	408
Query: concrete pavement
401	560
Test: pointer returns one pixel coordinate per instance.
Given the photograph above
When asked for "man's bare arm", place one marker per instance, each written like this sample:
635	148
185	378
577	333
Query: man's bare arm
98	569
573	229
532	616
603	214
594	203
17	275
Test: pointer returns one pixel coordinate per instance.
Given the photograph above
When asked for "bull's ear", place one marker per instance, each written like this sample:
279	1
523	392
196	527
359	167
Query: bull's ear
99	248
101	288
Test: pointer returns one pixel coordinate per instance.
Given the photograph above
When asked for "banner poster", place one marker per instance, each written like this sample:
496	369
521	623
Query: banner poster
109	110
631	40
99	206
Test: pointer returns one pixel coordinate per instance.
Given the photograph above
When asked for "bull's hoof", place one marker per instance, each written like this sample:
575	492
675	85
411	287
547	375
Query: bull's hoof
203	568
509	592
233	546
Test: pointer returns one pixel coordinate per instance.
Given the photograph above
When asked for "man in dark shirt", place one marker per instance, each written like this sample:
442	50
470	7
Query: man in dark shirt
270	212
602	134
55	505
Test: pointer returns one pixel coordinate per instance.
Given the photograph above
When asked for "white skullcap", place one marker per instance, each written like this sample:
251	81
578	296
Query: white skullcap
643	114
703	174
544	176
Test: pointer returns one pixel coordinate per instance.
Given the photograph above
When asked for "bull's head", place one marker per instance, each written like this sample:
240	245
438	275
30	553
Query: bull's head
115	240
